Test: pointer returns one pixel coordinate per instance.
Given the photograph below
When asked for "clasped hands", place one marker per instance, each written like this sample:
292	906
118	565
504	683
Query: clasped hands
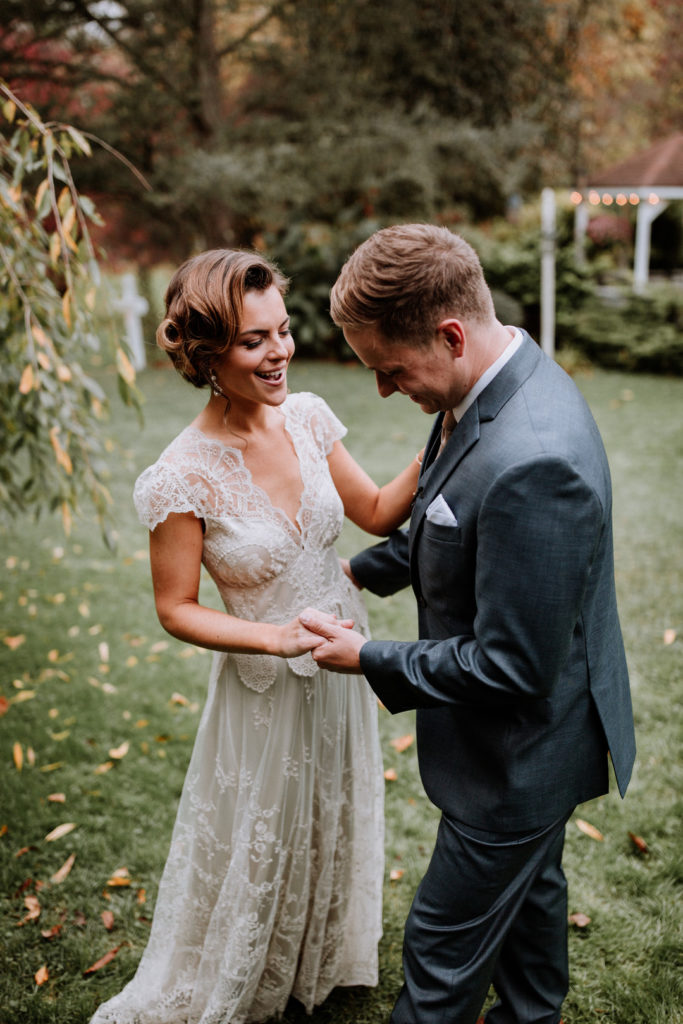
336	645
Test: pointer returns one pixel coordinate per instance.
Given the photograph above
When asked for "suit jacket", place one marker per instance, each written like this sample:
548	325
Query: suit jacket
519	675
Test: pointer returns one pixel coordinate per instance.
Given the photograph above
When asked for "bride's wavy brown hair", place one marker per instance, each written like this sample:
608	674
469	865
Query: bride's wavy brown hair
204	303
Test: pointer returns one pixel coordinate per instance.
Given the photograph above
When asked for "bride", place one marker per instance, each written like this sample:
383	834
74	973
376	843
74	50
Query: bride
272	887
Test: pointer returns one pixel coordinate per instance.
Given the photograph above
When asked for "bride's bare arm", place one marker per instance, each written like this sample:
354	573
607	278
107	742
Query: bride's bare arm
377	510
175	557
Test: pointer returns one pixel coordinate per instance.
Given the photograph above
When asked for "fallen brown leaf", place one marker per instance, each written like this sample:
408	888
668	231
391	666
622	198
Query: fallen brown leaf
107	919
60	831
639	843
33	906
51	933
391	775
589	830
63	872
402	743
103	961
579	920
141	896
395	874
57	798
41	975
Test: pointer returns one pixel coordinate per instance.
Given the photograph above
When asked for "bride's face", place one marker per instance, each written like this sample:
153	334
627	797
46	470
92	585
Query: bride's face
254	369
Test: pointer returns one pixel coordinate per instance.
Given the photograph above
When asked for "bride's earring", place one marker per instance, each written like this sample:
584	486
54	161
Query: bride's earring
215	386
218	391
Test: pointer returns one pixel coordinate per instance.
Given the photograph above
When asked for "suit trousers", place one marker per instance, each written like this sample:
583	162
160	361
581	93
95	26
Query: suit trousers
491	908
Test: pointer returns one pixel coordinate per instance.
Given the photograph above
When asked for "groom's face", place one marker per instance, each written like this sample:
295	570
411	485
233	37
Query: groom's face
427	374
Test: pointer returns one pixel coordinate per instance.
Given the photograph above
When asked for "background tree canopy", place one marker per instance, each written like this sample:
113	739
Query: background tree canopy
247	116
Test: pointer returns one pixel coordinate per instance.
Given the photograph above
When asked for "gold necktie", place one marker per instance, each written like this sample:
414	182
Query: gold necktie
447	428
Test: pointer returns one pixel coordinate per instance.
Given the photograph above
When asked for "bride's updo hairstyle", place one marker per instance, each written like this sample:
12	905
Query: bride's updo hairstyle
204	303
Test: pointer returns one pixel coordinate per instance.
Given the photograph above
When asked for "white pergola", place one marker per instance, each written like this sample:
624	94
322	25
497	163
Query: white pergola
648	180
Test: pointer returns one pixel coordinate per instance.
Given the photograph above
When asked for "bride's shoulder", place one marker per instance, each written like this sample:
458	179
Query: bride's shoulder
174	482
313	413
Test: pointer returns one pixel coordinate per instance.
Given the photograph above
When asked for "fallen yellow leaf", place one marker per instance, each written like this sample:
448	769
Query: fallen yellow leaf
102	769
66	867
118	752
589	830
60	831
18	756
41	975
119	877
177	698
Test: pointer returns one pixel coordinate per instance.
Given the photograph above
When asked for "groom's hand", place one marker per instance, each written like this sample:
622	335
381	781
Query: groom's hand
340	650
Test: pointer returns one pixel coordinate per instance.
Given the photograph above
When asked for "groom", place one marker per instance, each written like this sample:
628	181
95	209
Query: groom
519	676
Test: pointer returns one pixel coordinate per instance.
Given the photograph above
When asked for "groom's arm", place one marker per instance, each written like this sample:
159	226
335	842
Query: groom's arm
384	568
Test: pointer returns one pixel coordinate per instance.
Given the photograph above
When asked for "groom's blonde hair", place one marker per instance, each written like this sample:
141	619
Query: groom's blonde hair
405	279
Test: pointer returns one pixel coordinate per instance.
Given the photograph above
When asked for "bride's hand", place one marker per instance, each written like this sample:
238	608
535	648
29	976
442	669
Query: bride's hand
294	639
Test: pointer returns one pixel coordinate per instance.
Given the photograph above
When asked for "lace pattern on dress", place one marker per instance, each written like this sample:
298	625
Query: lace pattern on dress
266	568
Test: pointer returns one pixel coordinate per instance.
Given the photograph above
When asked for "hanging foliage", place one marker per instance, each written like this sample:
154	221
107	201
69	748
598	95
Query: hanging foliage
51	407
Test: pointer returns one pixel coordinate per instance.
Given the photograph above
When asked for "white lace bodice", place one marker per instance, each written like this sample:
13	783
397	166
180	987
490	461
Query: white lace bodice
266	568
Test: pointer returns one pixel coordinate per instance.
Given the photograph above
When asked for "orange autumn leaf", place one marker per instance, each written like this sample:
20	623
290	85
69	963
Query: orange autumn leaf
103	961
639	843
57	798
589	830
141	896
391	775
27	380
395	874
102	769
402	743
119	877
41	975
177	698
66	867
579	920
18	756
14	641
4	706
61	830
107	919
51	933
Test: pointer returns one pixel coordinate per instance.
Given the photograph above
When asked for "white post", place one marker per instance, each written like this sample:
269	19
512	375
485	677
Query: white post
581	217
133	307
548	271
647	212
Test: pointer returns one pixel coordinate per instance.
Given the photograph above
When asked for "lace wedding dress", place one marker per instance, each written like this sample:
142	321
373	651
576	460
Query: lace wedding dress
273	882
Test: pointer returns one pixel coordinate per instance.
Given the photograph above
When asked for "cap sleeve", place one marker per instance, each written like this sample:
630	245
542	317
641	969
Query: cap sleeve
325	426
158	491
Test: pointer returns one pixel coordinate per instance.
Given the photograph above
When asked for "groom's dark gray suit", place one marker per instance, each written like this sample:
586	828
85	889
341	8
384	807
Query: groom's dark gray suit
519	675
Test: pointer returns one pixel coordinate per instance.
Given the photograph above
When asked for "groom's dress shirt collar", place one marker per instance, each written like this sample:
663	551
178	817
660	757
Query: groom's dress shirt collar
461	408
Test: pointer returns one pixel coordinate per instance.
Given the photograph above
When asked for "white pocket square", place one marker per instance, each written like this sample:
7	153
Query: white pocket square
440	514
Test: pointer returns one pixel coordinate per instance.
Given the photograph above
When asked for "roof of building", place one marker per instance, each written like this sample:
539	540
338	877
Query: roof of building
661	165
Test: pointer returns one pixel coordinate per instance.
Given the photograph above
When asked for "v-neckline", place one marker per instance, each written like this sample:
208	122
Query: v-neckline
296	524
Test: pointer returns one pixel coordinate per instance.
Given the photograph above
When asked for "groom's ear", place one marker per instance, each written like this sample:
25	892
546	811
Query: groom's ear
452	332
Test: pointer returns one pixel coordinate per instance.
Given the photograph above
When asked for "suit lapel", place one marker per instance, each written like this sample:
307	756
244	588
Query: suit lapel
467	432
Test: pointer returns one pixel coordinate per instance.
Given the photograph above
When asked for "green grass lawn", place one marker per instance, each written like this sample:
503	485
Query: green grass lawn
87	669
